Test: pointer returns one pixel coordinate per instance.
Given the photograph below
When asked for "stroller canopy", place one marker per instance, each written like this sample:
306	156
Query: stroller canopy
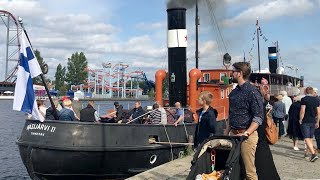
226	158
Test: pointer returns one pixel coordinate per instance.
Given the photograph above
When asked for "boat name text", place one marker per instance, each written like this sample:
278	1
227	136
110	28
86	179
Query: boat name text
42	127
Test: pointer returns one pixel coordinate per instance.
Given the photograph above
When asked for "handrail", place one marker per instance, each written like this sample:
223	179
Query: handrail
141	116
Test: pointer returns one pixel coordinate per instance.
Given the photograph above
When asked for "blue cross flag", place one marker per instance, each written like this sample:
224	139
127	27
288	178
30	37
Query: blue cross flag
24	98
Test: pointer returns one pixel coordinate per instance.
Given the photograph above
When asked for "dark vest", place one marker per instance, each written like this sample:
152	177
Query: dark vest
87	114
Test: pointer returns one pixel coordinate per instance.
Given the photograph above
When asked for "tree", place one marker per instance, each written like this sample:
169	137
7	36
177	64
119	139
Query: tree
76	65
60	77
63	90
41	62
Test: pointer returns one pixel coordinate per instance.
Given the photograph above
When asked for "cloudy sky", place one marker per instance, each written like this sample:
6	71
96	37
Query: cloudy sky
134	32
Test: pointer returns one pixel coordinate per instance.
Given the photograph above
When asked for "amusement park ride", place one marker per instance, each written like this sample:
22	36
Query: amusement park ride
113	81
13	28
109	81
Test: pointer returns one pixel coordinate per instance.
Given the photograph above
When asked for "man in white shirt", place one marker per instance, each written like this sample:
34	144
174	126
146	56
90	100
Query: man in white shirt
164	119
287	101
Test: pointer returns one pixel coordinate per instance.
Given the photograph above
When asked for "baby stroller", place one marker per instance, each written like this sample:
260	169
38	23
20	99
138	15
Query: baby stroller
220	154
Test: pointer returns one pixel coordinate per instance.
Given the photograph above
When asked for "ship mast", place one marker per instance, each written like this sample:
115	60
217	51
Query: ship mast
197	30
258	29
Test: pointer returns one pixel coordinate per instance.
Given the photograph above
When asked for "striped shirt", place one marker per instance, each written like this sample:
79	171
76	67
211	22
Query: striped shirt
155	117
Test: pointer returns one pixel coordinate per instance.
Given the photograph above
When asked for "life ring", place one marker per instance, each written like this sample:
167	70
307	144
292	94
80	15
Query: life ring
265	88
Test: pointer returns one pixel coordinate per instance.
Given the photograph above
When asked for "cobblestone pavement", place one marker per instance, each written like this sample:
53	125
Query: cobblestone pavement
291	165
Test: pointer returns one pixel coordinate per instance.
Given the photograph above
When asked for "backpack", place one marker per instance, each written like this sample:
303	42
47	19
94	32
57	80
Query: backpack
271	129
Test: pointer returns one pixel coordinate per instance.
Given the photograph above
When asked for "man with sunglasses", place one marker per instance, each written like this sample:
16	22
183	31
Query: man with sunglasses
245	115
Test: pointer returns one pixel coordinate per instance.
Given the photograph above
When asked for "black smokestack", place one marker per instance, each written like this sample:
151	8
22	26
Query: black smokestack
273	59
180	4
177	56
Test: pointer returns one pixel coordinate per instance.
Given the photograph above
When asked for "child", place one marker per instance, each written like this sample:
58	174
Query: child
207	118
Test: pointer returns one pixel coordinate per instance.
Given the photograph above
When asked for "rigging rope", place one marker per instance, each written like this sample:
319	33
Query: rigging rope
220	40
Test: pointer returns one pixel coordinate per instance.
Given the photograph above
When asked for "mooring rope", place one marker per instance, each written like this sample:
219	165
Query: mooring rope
165	129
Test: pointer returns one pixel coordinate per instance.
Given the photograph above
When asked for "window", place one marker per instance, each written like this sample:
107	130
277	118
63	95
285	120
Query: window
206	77
227	93
222	75
222	93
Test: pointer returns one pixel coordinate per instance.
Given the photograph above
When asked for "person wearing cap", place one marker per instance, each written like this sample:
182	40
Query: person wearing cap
114	116
119	112
62	99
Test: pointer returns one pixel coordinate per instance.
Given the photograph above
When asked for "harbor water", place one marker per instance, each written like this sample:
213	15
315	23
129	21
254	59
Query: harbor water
12	122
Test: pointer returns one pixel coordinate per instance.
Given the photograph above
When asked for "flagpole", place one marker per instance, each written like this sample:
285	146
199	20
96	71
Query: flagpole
258	28
55	113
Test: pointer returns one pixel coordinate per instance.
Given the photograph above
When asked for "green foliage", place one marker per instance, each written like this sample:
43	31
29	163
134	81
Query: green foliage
60	77
76	65
41	62
151	93
63	90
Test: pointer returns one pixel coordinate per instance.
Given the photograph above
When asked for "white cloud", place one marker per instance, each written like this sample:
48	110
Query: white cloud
270	10
78	24
30	9
151	26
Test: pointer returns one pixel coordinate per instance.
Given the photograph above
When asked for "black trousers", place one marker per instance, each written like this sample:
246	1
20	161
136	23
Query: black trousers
281	126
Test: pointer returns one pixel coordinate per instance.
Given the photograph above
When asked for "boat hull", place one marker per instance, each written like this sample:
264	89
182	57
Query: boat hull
93	151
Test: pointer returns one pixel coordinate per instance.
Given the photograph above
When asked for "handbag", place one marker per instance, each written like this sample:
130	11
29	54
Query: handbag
271	129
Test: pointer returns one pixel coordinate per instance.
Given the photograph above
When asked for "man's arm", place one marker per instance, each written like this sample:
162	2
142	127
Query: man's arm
96	116
257	112
253	126
318	117
302	112
119	114
179	120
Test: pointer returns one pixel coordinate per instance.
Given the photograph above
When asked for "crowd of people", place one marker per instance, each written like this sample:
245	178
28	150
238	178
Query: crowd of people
297	118
67	109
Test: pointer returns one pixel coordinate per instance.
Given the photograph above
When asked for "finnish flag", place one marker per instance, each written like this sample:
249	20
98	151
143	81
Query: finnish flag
24	98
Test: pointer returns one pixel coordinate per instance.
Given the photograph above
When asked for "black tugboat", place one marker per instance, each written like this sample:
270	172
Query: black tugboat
78	150
62	150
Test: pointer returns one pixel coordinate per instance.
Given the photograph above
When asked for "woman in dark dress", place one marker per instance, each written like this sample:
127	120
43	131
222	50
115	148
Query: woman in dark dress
294	130
266	169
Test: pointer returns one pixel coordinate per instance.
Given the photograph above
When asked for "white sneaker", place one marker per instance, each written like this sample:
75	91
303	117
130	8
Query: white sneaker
296	148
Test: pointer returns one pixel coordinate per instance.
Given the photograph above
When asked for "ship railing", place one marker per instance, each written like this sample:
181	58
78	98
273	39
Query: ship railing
291	90
103	107
41	98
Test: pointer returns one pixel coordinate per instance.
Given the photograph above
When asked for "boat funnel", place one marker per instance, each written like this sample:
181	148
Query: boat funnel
273	59
177	42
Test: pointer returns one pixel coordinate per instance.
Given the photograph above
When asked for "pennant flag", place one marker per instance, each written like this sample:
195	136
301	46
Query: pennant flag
24	98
